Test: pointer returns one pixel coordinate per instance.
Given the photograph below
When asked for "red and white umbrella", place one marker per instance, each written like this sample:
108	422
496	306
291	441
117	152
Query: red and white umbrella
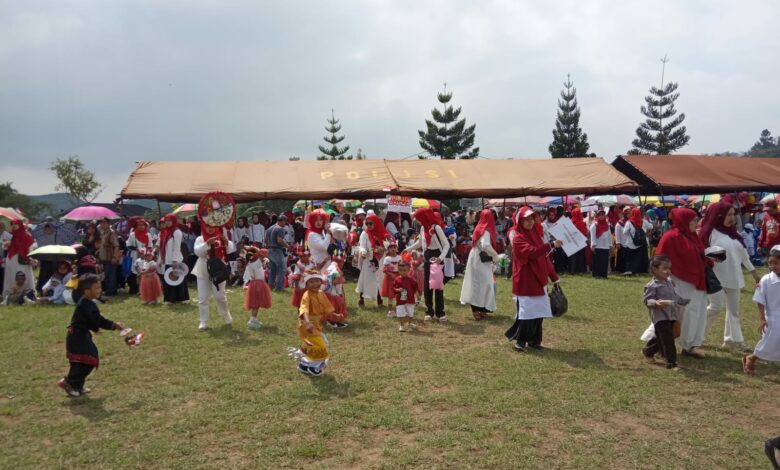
11	214
90	213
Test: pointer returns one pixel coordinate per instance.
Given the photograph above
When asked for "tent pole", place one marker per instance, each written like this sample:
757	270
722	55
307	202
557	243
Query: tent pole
159	211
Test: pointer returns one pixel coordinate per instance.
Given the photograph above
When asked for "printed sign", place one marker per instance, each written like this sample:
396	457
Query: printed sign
399	204
565	231
471	203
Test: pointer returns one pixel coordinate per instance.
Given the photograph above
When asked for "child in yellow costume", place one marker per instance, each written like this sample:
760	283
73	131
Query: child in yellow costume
314	305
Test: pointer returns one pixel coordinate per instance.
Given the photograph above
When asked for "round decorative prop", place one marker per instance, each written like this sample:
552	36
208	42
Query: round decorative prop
216	209
174	277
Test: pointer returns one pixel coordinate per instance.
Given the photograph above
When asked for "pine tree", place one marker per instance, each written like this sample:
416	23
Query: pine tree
766	146
451	139
334	152
654	135
568	138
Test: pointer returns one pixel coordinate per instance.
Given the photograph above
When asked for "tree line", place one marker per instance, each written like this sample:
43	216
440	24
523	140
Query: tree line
447	136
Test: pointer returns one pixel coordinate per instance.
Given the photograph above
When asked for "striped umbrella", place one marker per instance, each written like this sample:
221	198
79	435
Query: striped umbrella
419	203
185	210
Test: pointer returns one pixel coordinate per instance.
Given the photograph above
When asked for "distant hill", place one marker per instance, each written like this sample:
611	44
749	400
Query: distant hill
61	203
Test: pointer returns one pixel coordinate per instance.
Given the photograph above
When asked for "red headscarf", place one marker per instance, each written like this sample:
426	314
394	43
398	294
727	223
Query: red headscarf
636	218
684	248
713	220
142	235
21	241
377	234
166	233
428	219
319	214
208	232
601	225
486	223
538	225
539	266
578	221
612	217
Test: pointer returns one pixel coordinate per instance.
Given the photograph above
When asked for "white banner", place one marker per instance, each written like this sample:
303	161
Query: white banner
399	204
565	231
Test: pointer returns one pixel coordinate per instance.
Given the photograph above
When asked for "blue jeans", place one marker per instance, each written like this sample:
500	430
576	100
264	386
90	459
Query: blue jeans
109	281
278	268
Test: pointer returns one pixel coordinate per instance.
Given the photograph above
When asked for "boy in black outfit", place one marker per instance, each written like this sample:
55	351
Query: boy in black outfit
80	350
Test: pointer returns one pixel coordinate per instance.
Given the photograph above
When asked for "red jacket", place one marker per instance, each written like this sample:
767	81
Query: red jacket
524	283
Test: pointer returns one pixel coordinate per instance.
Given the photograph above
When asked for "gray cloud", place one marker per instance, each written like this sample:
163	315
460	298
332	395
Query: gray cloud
117	82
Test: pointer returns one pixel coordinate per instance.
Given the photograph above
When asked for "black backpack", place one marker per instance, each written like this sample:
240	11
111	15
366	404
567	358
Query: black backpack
639	238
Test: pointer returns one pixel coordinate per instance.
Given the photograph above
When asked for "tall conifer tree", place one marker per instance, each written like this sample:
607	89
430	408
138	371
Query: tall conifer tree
662	133
448	137
568	138
334	152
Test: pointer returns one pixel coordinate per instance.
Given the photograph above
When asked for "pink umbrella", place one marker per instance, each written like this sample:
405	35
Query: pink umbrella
90	213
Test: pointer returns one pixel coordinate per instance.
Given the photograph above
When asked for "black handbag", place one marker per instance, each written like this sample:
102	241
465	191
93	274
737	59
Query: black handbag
219	272
559	304
485	258
711	280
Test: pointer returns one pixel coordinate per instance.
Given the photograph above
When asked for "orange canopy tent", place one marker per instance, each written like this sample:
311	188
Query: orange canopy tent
697	174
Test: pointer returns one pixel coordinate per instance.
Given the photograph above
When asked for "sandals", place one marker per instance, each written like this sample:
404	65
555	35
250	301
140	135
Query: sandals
748	366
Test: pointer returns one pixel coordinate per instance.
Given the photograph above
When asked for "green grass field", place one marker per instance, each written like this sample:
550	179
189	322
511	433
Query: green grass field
452	395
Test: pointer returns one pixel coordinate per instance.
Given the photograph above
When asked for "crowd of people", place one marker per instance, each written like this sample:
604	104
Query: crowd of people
695	261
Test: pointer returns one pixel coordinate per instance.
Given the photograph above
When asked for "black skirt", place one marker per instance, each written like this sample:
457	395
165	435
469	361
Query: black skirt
178	293
577	262
526	331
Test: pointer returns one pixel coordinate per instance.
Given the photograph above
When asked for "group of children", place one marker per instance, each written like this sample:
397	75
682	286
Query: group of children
318	297
663	304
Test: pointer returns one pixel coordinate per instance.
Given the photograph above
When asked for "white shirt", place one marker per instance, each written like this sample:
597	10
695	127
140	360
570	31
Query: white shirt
768	294
257	233
604	242
391	228
318	246
202	250
628	236
437	239
729	272
254	271
241	232
173	249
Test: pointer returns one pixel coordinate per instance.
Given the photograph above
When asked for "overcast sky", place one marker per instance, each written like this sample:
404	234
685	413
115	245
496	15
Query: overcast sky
120	81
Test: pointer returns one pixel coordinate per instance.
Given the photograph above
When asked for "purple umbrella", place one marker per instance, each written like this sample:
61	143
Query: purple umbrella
90	213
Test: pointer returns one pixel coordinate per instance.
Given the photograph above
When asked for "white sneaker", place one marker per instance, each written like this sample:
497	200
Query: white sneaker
443	319
28	300
428	318
401	328
203	326
412	325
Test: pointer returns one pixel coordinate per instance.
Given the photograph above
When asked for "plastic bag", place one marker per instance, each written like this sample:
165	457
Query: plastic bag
436	278
559	304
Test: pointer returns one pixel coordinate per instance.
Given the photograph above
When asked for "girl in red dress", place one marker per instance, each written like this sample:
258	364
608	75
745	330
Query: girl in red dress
390	270
150	286
258	294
